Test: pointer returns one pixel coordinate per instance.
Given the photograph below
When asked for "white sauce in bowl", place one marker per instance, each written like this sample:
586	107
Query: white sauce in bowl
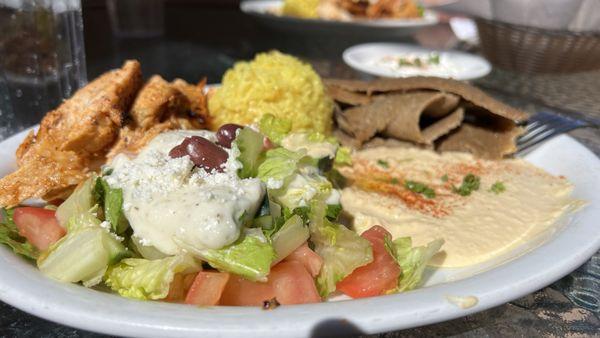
419	64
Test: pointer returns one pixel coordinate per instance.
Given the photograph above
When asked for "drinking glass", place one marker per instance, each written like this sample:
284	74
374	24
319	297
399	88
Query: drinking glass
42	58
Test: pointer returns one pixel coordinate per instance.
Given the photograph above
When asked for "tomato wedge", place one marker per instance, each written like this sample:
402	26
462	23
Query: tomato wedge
376	277
289	282
242	292
179	287
207	288
311	261
38	225
293	284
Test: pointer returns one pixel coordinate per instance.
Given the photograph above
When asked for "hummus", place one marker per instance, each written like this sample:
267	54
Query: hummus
476	227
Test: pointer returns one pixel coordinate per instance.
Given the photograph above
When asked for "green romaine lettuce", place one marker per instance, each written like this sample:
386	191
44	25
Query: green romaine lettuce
412	261
343	156
301	189
250	256
9	235
333	211
83	255
250	145
84	220
148	279
268	217
111	200
279	164
342	249
81	200
292	234
316	147
275	129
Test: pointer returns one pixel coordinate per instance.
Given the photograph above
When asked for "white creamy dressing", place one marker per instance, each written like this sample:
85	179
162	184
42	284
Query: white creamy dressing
172	205
300	141
445	68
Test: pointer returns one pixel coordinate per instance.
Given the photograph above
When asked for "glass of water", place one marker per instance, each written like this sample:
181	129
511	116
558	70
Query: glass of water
42	59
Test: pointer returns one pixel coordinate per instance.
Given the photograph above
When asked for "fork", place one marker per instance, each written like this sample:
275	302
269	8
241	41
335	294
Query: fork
546	124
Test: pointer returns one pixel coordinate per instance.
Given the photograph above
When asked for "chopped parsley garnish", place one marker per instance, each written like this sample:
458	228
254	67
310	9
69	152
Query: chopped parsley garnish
498	188
404	62
394	181
469	184
383	163
419	188
445	178
434	59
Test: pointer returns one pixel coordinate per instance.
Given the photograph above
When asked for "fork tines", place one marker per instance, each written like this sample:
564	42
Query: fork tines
544	125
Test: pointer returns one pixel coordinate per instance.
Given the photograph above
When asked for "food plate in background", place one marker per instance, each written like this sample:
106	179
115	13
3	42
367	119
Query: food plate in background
264	10
381	59
448	293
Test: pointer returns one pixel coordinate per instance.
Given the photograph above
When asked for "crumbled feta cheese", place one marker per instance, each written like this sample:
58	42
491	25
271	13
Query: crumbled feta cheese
173	205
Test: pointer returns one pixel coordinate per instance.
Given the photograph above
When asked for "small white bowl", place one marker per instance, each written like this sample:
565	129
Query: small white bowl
457	65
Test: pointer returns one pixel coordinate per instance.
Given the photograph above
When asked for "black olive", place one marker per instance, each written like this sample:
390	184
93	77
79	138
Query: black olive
202	152
226	134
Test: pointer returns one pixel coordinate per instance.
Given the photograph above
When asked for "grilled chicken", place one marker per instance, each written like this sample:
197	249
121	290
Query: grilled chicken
73	139
161	106
110	115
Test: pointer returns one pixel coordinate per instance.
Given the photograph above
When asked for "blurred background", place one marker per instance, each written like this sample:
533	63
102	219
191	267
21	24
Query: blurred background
51	48
203	38
544	53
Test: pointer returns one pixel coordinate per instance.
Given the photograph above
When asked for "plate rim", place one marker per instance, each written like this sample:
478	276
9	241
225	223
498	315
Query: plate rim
427	305
251	7
347	57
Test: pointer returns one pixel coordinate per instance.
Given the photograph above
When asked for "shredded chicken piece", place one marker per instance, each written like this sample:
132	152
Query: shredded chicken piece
161	106
198	101
108	116
73	139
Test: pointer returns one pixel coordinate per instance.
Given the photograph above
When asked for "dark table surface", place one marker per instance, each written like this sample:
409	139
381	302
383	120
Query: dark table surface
204	41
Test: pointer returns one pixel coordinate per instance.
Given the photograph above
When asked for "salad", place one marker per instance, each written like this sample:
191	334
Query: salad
245	216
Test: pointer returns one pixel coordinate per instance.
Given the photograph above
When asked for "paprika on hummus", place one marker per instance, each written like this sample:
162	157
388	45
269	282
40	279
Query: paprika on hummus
481	208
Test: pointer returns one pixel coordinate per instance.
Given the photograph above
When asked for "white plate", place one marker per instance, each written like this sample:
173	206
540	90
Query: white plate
564	249
364	58
263	10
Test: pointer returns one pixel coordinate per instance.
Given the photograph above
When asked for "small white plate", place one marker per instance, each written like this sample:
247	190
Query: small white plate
264	10
460	66
558	252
